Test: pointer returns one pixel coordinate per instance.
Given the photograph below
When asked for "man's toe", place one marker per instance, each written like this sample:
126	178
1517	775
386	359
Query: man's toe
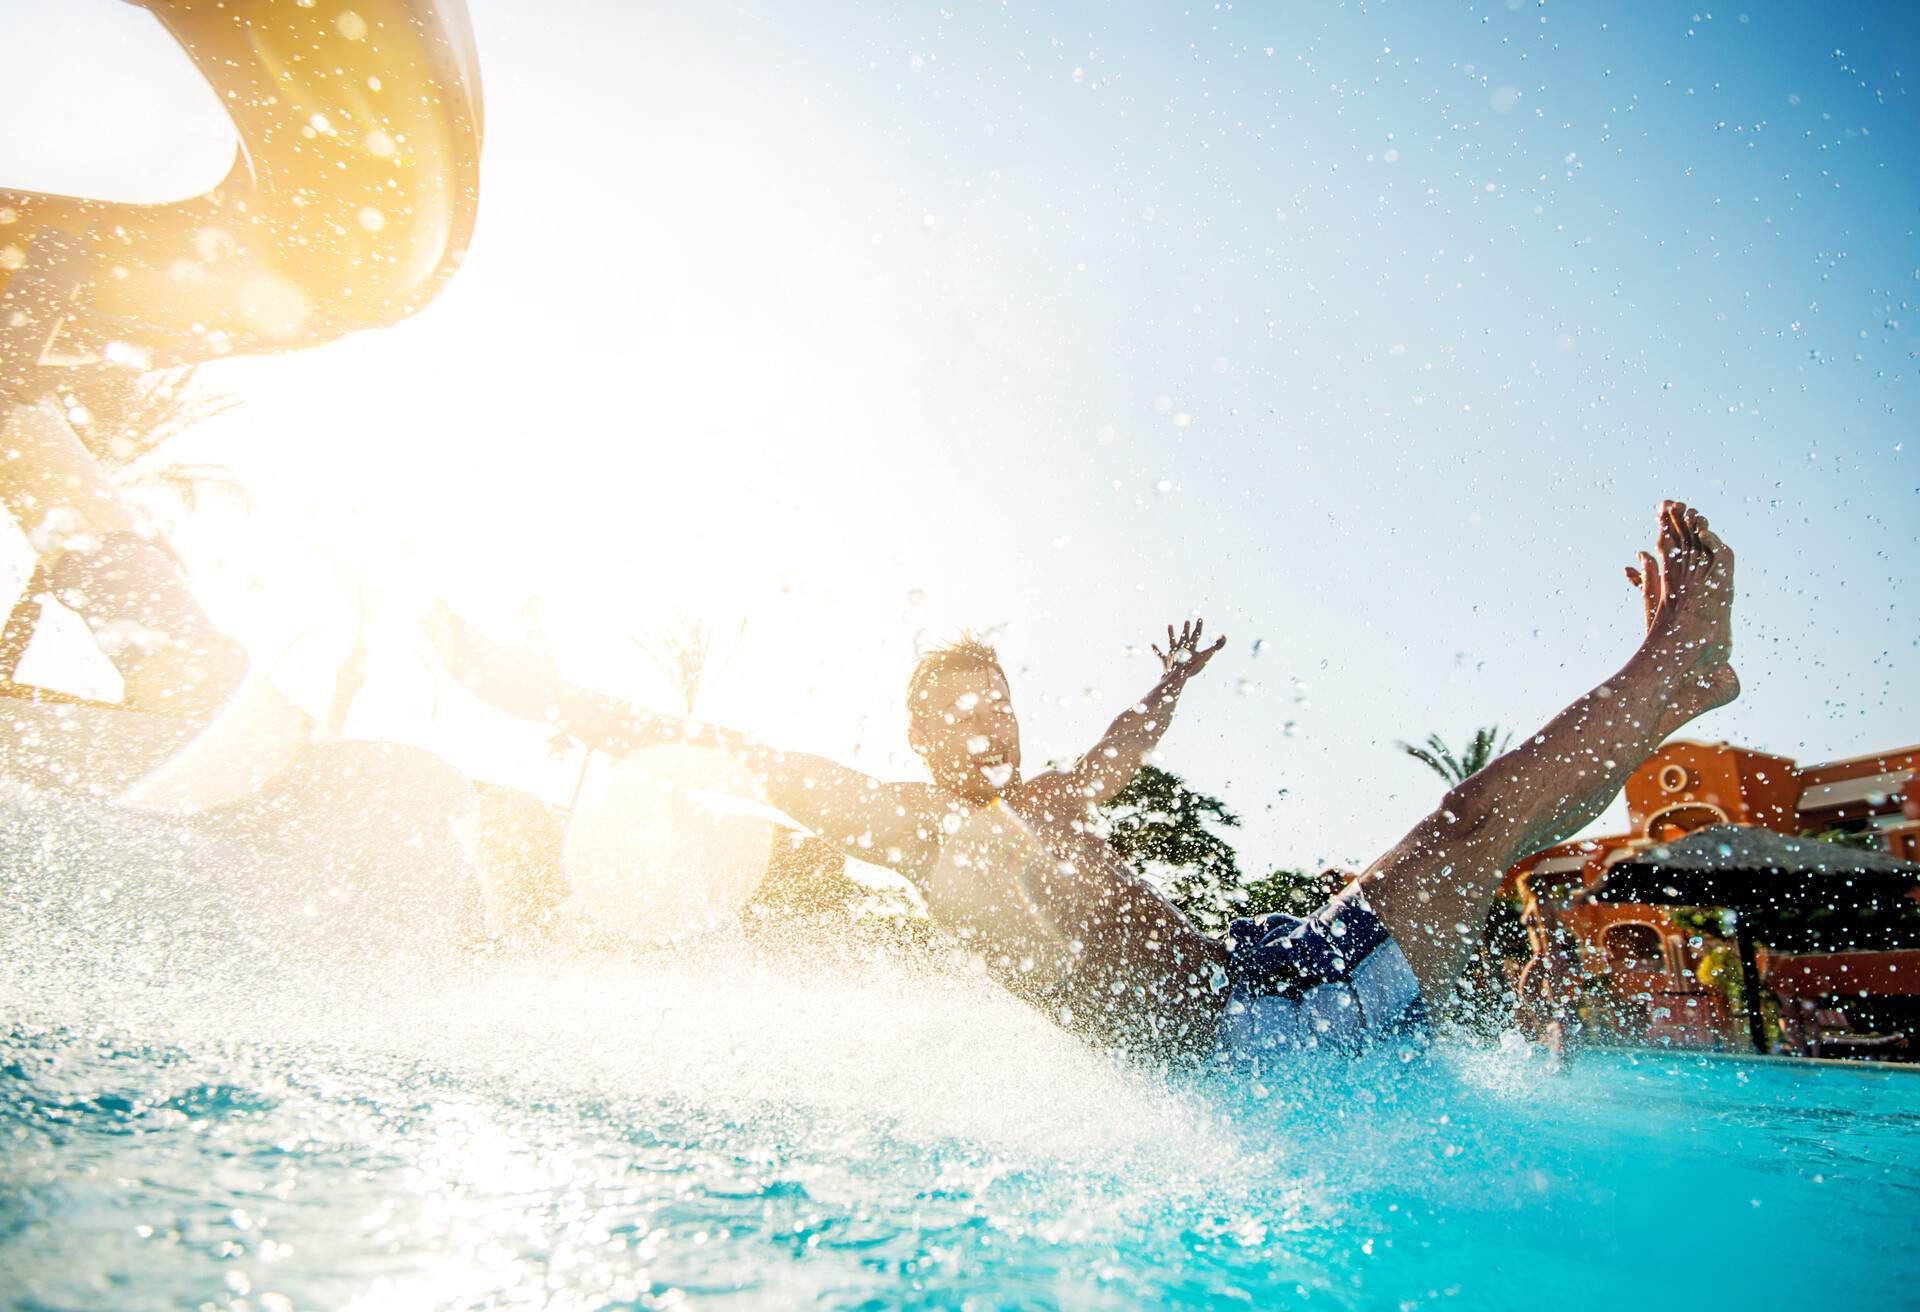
1671	539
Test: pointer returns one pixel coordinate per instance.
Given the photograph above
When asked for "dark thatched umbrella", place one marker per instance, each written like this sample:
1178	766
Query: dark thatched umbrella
1748	869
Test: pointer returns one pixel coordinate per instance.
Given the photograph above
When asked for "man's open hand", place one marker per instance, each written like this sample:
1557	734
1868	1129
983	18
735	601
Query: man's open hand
523	683
1184	656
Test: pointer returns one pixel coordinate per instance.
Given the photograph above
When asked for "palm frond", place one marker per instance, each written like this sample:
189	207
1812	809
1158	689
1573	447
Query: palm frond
1454	769
1477	755
1427	759
191	484
1481	752
121	416
685	653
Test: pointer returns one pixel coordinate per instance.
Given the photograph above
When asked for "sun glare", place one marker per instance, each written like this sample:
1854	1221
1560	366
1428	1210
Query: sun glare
497	807
701	459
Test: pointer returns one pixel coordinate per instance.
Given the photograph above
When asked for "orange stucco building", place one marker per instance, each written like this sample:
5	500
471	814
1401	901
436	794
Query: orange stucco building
1644	965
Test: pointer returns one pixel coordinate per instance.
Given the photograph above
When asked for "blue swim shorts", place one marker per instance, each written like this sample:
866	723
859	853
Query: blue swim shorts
1333	981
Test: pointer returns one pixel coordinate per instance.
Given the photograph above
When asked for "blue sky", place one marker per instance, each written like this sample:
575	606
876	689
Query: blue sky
1375	333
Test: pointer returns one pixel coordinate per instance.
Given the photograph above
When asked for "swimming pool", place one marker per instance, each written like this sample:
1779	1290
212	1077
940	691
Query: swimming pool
299	1128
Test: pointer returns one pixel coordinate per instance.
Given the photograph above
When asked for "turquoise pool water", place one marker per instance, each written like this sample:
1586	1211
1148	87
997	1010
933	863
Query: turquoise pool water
199	1111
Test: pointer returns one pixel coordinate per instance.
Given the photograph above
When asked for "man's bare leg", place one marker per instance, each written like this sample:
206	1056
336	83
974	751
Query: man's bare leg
1433	890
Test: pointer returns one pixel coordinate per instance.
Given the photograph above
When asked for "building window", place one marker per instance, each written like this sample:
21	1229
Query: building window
1633	947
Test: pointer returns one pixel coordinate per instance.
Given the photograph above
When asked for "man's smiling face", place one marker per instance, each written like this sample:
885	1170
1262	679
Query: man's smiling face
965	729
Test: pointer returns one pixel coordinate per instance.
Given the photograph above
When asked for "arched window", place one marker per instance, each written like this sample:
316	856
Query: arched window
1681	820
1633	946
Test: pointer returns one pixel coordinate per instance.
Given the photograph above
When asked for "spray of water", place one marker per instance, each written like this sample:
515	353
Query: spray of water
233	1071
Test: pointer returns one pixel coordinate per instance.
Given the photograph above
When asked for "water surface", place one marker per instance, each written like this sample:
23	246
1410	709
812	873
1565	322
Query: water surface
199	1108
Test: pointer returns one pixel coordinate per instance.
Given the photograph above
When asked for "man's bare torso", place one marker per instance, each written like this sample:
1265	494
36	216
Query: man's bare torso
1055	914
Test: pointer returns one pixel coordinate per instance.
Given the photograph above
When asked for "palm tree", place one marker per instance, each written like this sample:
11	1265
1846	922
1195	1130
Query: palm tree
1439	758
126	418
685	653
190	483
121	416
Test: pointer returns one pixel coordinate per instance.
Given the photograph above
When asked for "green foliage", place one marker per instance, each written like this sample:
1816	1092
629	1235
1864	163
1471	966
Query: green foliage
1294	892
1860	840
1479	751
1165	830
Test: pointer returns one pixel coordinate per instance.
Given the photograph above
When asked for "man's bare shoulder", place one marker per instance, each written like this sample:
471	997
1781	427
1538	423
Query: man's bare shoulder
912	820
923	801
1051	794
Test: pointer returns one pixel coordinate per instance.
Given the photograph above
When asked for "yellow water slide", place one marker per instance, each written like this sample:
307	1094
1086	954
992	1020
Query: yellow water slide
350	202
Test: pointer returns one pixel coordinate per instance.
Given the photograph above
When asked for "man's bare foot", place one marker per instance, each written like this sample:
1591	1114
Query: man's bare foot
1687	593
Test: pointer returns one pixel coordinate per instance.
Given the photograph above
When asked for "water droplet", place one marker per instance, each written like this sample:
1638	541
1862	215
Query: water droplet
129	355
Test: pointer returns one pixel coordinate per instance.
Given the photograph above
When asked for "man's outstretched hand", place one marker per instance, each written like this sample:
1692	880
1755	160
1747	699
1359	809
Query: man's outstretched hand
523	683
1184	656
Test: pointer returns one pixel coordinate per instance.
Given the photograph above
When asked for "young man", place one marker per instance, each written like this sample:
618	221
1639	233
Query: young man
1087	940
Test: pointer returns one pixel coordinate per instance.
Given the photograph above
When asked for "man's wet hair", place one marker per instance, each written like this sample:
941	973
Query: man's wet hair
965	652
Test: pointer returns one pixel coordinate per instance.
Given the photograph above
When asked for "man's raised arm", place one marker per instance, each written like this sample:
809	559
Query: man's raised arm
843	805
1133	735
